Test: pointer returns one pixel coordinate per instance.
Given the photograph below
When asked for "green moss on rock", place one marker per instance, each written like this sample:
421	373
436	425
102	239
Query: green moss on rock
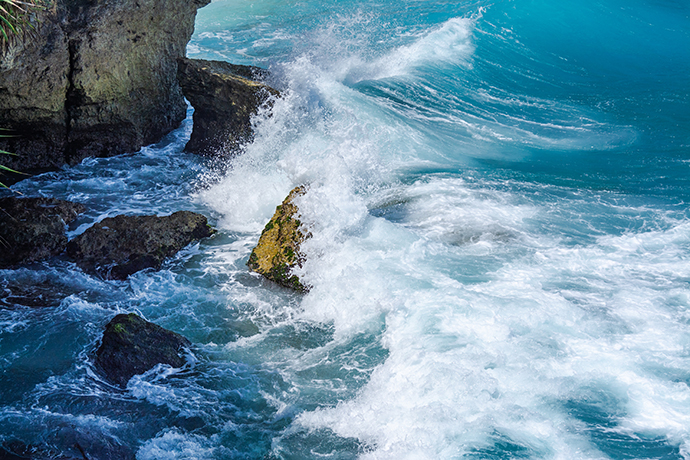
278	251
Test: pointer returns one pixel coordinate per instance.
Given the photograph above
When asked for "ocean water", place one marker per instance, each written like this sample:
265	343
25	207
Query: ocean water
500	264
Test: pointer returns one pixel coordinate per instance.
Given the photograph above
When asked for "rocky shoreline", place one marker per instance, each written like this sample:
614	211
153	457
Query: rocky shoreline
106	78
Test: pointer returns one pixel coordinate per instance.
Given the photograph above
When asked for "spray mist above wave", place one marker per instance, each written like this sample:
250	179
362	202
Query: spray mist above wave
447	45
502	362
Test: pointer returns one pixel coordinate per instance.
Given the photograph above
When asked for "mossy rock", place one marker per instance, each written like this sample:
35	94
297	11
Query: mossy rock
278	251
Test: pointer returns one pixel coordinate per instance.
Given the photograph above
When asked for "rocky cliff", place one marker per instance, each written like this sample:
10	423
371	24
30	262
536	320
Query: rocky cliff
225	97
99	79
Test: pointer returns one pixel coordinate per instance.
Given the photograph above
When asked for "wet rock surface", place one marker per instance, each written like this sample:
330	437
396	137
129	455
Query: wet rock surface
278	251
98	79
17	450
118	246
131	346
224	97
32	229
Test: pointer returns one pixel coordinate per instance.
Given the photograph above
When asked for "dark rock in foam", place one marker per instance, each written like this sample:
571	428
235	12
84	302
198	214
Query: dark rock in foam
33	228
118	246
224	97
132	345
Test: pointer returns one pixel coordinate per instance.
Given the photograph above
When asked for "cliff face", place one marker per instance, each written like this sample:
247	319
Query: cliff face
99	80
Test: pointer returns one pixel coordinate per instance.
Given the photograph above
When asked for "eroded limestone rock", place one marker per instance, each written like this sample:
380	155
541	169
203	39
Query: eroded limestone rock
278	251
98	79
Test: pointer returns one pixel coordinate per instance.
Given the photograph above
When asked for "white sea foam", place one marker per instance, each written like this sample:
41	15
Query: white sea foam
173	445
468	362
493	325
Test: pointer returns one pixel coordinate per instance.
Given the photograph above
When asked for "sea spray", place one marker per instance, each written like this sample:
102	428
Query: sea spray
499	261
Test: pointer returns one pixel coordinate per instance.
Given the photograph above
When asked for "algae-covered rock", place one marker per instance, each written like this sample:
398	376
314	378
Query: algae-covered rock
118	246
278	249
131	346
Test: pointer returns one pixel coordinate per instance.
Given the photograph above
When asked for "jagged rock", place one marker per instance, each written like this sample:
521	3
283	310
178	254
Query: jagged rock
278	249
33	228
98	79
132	346
224	97
118	246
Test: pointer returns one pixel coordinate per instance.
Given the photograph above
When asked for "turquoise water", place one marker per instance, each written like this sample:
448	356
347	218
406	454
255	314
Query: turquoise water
499	202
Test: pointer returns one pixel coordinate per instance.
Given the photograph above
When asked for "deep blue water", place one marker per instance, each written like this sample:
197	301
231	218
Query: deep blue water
500	262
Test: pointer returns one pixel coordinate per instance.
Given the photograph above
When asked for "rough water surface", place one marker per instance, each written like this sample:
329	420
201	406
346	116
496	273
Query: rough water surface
498	202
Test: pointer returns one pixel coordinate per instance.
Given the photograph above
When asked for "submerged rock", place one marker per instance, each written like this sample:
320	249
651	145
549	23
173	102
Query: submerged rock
118	246
131	346
97	78
17	450
224	97
278	251
33	228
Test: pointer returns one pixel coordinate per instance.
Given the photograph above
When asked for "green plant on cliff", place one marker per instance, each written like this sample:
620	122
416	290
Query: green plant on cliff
3	167
17	17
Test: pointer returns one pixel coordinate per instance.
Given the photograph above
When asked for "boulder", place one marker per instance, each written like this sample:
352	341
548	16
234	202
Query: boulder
98	78
118	246
33	228
224	97
132	345
278	251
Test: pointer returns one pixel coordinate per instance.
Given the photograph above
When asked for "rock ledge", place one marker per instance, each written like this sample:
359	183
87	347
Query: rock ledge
32	229
224	97
118	246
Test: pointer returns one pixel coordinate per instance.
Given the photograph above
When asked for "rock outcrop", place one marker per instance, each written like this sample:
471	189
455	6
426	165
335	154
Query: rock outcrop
224	97
99	79
278	251
118	246
132	345
33	228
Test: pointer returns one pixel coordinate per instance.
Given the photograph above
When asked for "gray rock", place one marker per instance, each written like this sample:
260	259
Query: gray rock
224	97
33	228
132	345
118	246
98	80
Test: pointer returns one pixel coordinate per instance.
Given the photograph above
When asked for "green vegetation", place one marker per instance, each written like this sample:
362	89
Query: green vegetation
2	152
18	17
268	227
